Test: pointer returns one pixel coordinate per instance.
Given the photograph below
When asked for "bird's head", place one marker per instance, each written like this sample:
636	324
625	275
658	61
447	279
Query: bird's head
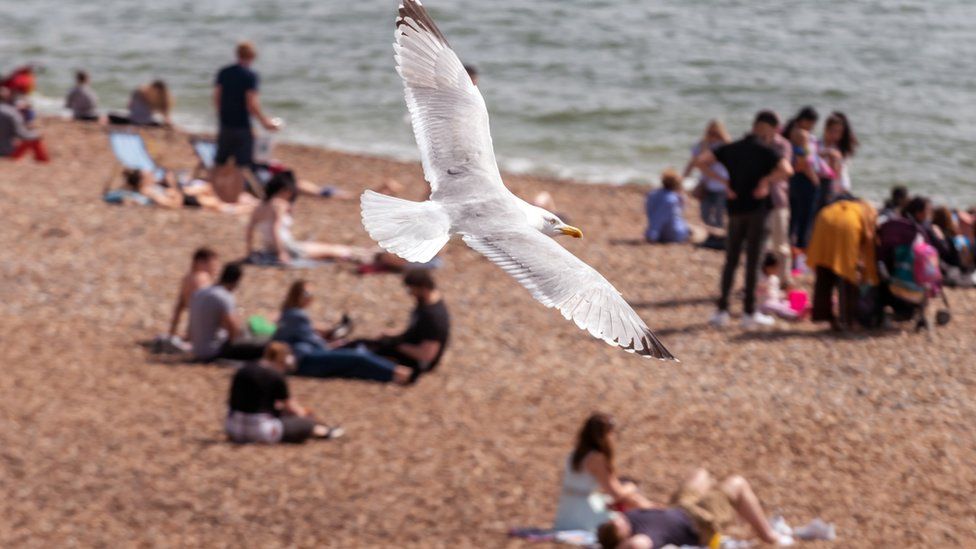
549	223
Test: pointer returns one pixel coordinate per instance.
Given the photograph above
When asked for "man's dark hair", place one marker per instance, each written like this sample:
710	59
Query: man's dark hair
81	77
808	113
133	178
608	536
767	117
899	194
419	278
203	254
915	206
231	274
280	182
770	261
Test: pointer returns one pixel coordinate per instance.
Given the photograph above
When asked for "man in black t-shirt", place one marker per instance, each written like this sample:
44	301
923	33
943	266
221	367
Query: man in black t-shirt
421	346
236	100
751	164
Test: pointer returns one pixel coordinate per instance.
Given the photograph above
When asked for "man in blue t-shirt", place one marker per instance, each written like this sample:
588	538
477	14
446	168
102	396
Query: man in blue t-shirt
236	101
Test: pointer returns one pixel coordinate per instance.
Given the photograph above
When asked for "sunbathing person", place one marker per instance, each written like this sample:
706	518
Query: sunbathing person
261	408
272	220
316	357
140	187
699	512
203	273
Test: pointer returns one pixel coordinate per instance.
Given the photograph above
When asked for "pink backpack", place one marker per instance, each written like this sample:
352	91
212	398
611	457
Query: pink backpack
926	265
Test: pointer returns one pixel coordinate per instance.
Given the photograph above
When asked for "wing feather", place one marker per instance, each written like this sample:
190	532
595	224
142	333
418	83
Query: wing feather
448	113
557	278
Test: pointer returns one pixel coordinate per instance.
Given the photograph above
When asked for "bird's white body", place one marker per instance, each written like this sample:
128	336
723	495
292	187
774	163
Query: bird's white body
468	197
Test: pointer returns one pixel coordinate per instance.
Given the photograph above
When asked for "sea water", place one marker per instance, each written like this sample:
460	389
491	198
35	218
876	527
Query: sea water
603	90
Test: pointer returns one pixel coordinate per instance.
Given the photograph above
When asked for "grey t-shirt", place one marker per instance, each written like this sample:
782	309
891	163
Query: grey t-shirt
207	308
82	101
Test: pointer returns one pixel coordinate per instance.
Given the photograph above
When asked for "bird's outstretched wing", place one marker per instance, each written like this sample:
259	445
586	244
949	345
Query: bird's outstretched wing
557	278
450	120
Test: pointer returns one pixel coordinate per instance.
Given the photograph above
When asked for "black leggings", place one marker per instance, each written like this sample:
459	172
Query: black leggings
296	429
745	230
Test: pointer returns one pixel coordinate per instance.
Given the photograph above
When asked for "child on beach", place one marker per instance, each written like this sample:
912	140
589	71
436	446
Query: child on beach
770	293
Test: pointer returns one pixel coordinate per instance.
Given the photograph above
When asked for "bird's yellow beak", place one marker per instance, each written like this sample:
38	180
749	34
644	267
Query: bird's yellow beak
569	230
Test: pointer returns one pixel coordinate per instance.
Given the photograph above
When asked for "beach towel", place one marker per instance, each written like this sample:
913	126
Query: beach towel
578	538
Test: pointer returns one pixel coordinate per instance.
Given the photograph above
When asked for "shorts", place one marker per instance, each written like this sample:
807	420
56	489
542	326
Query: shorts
711	512
236	143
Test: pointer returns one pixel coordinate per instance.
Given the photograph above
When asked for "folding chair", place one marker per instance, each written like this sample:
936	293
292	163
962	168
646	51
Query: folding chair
130	151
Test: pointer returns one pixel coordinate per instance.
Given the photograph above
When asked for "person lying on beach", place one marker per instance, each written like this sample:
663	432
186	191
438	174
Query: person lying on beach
261	409
272	221
421	346
665	211
203	272
216	329
140	187
149	105
701	509
16	139
316	357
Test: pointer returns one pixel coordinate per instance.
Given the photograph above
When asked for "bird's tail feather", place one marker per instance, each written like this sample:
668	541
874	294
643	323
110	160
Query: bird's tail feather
415	231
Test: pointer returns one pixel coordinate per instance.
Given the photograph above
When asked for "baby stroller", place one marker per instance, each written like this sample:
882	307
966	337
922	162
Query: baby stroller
908	267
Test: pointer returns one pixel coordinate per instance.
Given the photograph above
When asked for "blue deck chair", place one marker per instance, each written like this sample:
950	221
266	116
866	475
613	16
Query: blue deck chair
130	151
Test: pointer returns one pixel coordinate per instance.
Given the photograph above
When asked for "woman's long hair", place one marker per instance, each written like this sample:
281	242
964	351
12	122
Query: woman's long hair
942	218
296	293
848	142
594	436
158	96
806	113
717	127
280	182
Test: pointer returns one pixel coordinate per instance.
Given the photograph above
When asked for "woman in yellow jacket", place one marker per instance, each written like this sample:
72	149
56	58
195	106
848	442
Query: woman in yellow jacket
842	250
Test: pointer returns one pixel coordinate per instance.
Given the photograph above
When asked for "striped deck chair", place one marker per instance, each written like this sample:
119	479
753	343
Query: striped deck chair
130	151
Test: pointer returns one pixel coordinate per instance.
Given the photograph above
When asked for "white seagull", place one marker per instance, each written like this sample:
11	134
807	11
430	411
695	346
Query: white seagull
468	197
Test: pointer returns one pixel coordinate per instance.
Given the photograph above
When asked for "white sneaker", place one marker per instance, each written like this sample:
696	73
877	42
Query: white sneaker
784	534
719	319
756	320
816	530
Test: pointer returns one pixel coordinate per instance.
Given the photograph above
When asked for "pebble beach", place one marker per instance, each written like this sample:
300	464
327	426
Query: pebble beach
103	444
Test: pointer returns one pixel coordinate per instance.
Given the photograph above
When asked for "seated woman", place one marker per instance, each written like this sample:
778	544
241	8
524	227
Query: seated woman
699	512
665	211
272	220
314	355
149	105
261	408
16	138
590	483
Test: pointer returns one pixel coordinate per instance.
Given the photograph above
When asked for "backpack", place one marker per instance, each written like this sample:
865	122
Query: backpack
926	265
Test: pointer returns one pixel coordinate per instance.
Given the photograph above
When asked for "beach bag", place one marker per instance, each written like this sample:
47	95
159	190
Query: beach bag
902	284
926	265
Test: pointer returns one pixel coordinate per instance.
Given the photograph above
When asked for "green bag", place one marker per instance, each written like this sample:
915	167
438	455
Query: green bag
260	326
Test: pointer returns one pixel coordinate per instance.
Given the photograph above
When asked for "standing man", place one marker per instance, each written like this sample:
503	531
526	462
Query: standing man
236	101
752	165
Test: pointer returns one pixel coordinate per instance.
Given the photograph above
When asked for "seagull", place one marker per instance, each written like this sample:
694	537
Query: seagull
468	197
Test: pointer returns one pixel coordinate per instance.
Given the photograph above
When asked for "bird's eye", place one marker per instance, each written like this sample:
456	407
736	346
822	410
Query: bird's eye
552	221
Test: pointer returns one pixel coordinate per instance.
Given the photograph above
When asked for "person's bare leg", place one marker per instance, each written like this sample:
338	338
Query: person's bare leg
322	250
747	505
401	375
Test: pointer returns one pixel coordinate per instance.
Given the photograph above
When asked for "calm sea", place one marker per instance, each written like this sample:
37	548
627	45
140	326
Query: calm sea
604	90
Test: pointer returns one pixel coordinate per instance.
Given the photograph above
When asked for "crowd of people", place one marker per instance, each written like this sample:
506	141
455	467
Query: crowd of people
785	198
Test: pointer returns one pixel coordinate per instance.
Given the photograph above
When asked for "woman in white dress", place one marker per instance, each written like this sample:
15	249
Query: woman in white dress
590	486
